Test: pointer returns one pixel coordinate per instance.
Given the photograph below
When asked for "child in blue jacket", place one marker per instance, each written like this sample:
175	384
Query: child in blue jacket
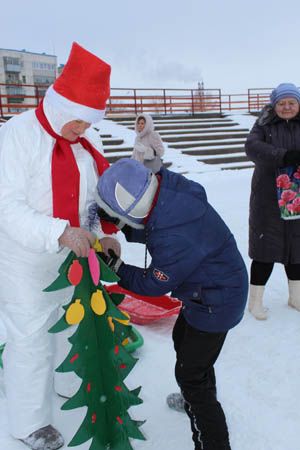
195	257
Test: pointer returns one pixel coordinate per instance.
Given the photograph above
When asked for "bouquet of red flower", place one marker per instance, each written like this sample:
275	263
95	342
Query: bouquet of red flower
288	192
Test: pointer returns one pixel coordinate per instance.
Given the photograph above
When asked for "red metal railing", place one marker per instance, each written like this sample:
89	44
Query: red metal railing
15	98
164	101
257	98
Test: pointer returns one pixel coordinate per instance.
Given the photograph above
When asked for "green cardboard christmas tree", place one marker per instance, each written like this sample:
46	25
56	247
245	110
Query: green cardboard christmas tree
98	354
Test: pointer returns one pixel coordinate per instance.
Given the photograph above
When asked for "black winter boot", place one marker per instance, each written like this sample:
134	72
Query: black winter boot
213	445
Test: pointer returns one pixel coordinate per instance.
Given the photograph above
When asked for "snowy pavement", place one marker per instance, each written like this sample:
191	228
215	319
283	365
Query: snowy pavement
257	372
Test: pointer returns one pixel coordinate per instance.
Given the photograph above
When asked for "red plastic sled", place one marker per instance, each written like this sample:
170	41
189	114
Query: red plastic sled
143	309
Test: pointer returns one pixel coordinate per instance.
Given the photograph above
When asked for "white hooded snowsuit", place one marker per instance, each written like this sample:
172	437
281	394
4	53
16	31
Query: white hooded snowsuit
29	261
148	146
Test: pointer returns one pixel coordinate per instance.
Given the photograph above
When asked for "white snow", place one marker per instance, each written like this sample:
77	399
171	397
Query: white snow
258	370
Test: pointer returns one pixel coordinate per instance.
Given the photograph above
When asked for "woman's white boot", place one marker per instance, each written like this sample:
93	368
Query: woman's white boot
294	294
255	304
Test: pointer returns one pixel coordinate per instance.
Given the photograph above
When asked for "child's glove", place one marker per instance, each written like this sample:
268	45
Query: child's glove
110	243
112	261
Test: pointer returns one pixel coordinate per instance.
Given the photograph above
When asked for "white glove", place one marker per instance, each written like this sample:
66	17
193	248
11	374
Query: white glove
139	147
110	243
78	240
149	154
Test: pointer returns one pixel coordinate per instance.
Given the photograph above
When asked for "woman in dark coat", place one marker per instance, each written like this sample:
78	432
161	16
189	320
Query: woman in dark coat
273	142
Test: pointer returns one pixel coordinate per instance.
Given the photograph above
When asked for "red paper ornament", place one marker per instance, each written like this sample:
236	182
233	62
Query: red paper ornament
94	418
88	388
75	272
76	356
123	366
116	349
118	388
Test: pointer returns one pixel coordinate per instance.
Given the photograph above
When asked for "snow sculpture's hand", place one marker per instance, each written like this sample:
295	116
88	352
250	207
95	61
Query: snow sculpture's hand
78	240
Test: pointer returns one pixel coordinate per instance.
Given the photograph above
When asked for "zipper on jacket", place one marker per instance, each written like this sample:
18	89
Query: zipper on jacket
146	249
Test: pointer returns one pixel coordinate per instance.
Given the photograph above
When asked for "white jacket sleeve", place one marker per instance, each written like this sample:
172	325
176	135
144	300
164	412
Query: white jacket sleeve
157	144
19	221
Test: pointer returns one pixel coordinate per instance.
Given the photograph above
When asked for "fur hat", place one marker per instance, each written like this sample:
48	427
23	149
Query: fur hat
284	90
126	190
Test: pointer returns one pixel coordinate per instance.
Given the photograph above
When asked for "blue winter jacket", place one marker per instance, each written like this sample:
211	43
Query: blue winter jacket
194	256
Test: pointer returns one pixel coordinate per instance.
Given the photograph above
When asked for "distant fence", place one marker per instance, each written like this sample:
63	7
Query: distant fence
15	98
164	101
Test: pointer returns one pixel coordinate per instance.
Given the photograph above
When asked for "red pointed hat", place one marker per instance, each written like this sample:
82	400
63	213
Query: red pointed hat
83	86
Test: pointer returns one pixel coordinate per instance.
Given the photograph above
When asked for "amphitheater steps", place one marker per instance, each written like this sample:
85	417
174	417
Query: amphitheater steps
214	140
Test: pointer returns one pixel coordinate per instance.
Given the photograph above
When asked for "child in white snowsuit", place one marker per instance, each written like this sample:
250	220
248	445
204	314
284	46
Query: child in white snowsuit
148	146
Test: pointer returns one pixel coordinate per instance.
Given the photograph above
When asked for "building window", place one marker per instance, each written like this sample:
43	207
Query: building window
43	80
43	66
10	60
12	77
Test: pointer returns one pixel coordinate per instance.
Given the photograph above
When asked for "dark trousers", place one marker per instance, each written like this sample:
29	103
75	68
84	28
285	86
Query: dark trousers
261	272
197	351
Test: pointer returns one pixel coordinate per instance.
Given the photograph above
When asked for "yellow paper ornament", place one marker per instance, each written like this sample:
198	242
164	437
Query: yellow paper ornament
125	342
98	304
75	313
111	324
97	246
124	321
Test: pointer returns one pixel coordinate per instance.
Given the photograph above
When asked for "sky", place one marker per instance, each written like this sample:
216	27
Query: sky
232	45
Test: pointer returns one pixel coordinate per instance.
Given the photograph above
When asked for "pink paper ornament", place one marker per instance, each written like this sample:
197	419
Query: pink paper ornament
94	266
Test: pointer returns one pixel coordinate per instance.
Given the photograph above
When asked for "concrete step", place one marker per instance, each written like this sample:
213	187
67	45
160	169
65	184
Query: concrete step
214	151
113	158
225	159
236	166
117	149
211	132
190	126
206	137
207	143
113	141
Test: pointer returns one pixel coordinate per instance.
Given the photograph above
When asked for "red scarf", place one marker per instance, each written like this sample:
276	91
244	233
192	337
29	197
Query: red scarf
66	176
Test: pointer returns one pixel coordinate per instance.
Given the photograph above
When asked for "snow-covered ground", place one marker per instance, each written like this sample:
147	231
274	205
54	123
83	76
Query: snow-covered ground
258	369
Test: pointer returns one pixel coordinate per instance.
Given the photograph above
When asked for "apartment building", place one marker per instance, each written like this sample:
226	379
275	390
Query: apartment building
19	68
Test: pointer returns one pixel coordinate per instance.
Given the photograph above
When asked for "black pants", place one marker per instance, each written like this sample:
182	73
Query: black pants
261	272
197	352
